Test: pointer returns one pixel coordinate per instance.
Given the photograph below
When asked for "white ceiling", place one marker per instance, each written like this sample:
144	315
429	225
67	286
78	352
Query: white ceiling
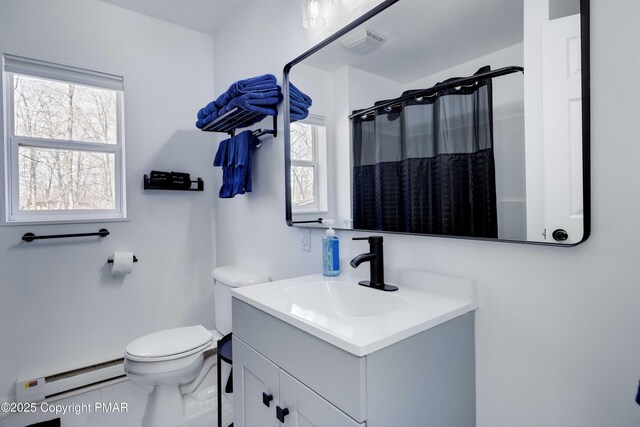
427	36
200	15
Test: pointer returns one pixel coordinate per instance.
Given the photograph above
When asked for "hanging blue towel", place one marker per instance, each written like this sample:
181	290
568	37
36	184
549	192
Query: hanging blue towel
221	160
221	155
242	162
234	155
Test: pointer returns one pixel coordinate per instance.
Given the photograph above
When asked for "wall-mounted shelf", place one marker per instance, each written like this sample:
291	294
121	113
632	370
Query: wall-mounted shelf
239	118
199	185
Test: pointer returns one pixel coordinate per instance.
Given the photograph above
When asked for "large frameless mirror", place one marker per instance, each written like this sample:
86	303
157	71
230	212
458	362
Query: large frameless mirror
457	119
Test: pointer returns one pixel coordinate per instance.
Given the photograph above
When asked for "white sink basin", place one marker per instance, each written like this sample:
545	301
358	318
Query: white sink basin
340	299
358	319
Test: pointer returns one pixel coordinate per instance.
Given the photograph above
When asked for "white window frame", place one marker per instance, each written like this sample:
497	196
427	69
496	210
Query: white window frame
319	164
13	65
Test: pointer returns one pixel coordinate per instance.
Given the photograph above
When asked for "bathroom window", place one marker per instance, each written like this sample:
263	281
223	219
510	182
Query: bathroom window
308	165
64	143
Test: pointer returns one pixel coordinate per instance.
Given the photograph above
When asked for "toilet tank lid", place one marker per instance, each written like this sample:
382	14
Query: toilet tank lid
235	276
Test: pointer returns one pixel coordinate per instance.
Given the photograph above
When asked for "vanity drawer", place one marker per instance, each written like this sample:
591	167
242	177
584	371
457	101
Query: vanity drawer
336	375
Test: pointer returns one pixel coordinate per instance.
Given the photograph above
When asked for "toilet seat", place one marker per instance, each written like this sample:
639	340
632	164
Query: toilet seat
197	350
170	344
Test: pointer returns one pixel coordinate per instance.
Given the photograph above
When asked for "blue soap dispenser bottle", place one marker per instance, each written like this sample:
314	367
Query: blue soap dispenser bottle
330	253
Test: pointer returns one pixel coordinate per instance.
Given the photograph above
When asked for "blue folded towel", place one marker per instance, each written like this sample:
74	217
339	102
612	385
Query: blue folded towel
259	94
299	96
202	122
263	83
299	104
234	155
263	103
270	98
208	109
253	84
297	113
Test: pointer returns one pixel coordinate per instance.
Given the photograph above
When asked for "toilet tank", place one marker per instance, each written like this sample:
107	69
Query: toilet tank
224	279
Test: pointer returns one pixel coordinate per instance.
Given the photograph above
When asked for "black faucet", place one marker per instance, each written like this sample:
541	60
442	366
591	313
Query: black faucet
376	265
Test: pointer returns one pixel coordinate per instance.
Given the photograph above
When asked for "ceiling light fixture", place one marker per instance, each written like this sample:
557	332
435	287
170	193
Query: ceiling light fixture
344	3
313	14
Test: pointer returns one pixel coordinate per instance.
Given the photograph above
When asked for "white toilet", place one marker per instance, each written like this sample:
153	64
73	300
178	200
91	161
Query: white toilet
173	361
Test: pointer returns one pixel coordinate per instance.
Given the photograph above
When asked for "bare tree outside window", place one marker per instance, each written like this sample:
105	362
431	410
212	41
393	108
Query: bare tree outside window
64	179
302	165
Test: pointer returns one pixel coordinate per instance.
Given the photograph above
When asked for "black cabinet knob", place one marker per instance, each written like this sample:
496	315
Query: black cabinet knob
266	399
560	235
281	413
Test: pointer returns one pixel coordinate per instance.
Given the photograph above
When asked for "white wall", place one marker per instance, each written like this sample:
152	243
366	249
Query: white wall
557	328
59	305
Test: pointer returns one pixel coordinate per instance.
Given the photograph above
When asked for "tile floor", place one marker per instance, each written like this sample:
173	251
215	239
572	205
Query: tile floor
202	405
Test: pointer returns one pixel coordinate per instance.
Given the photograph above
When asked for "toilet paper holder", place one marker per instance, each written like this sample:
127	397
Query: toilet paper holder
110	260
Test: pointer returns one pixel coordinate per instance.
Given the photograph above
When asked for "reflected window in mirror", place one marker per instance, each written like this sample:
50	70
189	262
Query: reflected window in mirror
308	141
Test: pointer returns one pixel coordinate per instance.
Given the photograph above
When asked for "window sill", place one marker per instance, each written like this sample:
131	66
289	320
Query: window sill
61	222
313	212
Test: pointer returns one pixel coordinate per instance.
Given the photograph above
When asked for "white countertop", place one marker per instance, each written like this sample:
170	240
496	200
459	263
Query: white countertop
361	320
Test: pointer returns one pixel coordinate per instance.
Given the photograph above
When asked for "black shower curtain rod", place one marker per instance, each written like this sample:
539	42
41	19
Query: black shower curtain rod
430	91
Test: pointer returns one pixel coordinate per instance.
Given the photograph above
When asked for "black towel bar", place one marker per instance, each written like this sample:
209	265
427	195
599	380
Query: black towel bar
315	221
463	81
30	237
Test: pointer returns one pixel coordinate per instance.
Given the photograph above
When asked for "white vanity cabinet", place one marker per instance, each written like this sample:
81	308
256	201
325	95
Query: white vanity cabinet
256	383
427	379
265	395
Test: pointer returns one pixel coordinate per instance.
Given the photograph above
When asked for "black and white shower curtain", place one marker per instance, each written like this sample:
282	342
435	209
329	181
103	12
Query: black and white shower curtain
426	164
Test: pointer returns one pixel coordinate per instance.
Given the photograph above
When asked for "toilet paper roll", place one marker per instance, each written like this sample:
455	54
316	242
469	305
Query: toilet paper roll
122	262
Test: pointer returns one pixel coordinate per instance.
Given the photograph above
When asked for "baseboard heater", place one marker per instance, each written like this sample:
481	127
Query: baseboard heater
63	384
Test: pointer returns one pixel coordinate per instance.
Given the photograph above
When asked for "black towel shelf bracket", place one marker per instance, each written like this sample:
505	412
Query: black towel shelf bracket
239	118
149	186
30	237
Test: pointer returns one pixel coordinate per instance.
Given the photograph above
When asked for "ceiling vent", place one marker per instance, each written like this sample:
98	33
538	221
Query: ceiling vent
363	41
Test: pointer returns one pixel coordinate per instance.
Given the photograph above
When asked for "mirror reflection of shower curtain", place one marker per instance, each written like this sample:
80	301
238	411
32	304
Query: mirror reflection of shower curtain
427	165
